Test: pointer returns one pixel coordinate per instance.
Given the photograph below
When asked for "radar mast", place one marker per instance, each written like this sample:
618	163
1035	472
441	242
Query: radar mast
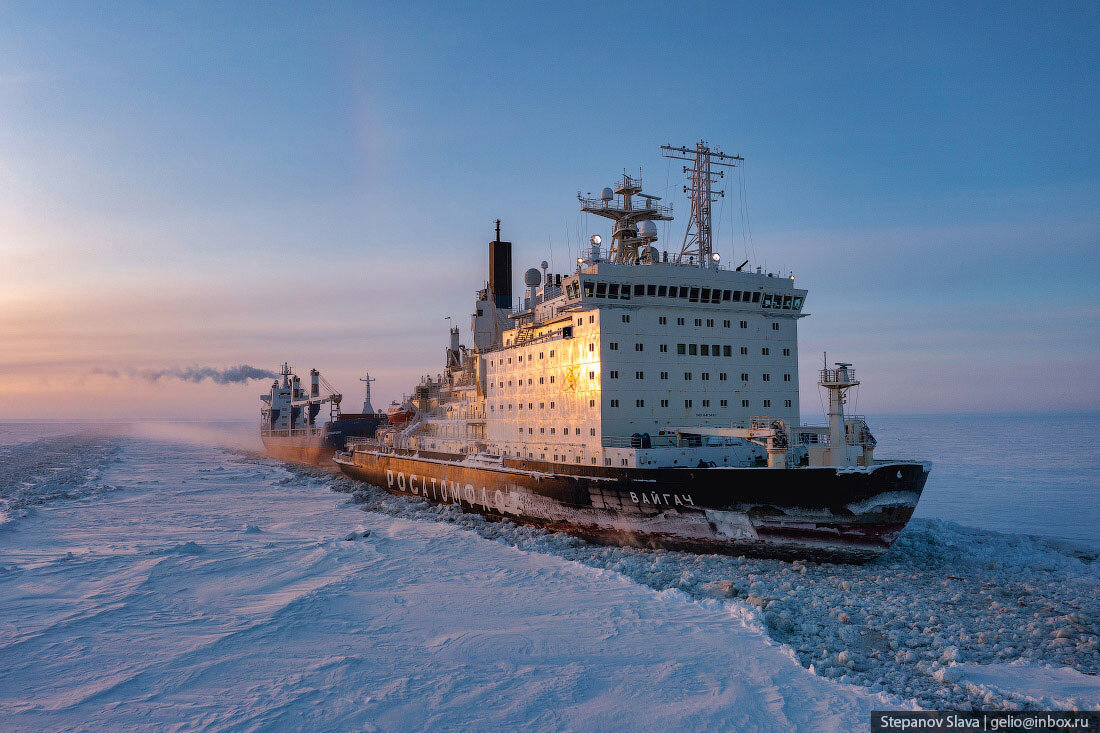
634	231
701	178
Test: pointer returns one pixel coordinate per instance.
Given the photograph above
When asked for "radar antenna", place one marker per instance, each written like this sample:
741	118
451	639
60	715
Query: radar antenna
701	178
633	213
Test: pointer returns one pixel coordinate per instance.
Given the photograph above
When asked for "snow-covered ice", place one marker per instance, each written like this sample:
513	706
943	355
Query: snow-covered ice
152	584
208	590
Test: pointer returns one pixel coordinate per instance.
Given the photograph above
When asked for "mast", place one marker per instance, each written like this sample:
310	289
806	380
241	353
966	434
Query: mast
698	244
633	213
838	381
367	408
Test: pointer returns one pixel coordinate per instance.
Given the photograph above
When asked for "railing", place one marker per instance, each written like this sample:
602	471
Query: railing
630	441
296	432
837	376
637	202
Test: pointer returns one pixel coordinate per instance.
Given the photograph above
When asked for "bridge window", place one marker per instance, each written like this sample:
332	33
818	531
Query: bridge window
727	350
601	290
692	349
613	291
662	291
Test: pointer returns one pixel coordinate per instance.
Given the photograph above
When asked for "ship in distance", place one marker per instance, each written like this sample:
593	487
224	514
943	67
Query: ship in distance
291	425
646	397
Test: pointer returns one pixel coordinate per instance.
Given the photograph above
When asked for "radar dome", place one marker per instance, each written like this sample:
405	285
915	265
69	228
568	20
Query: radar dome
647	230
532	278
607	194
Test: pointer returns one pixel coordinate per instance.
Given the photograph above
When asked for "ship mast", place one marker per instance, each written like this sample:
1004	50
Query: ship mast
633	213
698	245
368	409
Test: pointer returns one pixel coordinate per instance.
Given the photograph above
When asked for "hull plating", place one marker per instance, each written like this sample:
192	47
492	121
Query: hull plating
846	515
309	451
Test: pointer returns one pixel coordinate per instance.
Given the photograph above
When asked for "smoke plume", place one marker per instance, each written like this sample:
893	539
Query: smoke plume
230	375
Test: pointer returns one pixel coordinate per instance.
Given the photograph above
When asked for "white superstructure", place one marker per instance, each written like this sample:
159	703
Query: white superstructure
635	358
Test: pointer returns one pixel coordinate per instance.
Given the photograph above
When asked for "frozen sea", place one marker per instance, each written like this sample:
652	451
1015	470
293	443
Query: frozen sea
161	575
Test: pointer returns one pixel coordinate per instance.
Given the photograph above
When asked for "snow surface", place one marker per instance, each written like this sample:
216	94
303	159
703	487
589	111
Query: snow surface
1039	687
944	594
209	590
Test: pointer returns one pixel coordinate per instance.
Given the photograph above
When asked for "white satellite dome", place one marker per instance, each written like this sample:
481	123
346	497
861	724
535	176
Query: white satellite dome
647	229
607	194
532	278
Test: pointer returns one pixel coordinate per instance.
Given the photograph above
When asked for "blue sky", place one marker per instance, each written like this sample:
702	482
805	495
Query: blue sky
225	183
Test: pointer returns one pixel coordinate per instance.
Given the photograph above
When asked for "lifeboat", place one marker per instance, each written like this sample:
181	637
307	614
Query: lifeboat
399	414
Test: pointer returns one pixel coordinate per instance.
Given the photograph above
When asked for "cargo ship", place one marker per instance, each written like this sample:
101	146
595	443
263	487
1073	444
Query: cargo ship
289	424
646	398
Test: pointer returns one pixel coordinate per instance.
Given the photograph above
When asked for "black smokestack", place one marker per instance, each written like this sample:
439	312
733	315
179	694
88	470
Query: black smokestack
500	271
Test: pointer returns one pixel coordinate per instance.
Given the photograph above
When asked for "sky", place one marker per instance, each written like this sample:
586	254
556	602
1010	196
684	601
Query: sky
213	184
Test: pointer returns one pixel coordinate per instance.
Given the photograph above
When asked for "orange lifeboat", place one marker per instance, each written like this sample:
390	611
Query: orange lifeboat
399	414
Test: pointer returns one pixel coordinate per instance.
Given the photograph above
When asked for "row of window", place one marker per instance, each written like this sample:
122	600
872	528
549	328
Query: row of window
614	374
705	376
624	291
615	403
564	431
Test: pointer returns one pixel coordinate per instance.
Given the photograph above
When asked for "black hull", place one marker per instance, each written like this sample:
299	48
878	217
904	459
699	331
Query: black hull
829	514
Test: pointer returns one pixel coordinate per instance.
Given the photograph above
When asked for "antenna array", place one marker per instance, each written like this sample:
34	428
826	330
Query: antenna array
702	175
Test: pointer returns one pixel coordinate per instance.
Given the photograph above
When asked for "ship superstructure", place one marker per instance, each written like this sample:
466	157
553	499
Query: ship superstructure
645	381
